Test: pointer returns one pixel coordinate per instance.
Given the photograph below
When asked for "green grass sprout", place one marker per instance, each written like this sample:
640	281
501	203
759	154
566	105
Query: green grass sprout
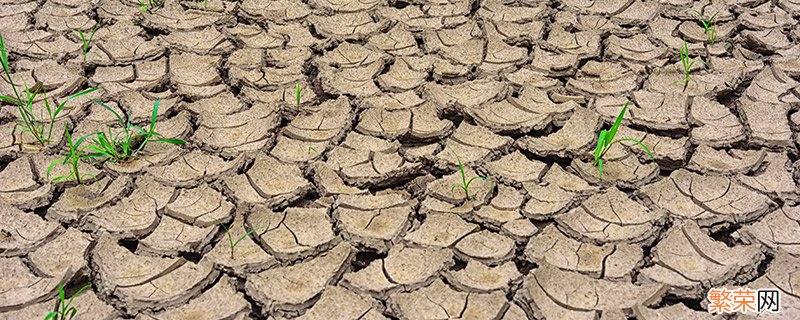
41	126
87	42
464	185
606	139
67	311
233	243
312	149
687	64
72	158
297	92
149	5
709	25
132	139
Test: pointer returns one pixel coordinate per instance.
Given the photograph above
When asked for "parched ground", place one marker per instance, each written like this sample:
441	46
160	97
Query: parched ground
355	184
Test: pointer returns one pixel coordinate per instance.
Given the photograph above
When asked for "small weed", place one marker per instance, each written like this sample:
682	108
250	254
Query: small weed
41	126
464	185
67	312
687	65
297	92
709	25
148	5
312	149
606	139
87	42
233	243
124	145
73	158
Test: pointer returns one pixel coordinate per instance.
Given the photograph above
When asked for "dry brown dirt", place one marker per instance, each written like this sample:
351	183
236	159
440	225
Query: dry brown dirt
355	184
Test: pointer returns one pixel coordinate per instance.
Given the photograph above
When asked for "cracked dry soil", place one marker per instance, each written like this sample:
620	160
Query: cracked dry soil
354	185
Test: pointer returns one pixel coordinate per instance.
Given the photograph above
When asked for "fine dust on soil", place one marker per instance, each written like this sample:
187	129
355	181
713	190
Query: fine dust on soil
356	188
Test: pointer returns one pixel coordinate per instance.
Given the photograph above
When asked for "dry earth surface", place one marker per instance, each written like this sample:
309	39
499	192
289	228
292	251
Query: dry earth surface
355	183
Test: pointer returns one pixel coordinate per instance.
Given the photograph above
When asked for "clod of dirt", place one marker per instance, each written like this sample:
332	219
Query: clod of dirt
173	236
278	11
716	125
201	206
143	282
782	275
777	230
478	277
689	261
707	159
294	287
603	78
552	293
516	169
88	304
707	199
612	217
248	256
577	134
136	215
244	131
775	180
365	161
22	232
20	187
626	171
269	182
638	48
405	268
375	222
62	256
556	195
82	199
191	169
439	301
206	41
609	261
487	247
294	233
339	303
219	302
441	230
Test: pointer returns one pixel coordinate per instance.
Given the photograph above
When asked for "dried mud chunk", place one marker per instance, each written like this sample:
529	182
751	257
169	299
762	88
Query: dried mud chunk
193	169
769	86
62	256
201	206
603	78
348	55
668	152
89	306
535	100
675	311
63	17
612	217
294	233
576	135
268	181
555	294
403	268
244	131
770	129
20	187
767	40
398	41
553	64
376	221
222	301
275	11
732	161
559	190
351	81
777	230
776	179
426	124
194	70
653	110
143	282
22	232
638	48
339	303
707	199
246	257
499	55
503	208
499	11
584	44
441	230
462	44
202	41
87	198
173	236
294	287
438	301
23	287
626	172
365	161
597	7
688	261
487	247
781	274
442	189
172	16
609	261
134	216
468	94
329	183
477	277
402	77
326	122
347	26
516	168
122	42
471	144
388	116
